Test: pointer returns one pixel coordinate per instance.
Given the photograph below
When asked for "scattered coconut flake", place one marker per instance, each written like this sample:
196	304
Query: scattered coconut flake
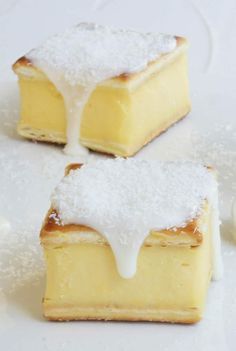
217	147
21	259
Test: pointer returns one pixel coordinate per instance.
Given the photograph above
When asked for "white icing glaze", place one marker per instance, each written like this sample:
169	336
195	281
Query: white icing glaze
5	226
124	199
75	98
234	218
87	54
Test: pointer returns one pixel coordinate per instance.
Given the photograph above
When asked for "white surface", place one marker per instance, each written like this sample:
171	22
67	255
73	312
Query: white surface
29	171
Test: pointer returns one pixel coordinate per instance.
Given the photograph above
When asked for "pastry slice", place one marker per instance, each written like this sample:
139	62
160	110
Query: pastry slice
103	263
125	103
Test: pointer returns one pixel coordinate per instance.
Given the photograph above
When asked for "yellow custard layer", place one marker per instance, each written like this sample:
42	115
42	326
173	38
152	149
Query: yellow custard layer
173	272
121	115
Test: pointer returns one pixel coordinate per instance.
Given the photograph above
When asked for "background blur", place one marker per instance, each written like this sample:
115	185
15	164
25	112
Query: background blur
29	171
209	25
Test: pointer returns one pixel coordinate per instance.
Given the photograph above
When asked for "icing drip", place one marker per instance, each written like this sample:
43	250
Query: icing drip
77	60
75	99
74	108
124	199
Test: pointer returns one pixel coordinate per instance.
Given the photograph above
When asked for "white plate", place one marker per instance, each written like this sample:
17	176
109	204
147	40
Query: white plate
29	171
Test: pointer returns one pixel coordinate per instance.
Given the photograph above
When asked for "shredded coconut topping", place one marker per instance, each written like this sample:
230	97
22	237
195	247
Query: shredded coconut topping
87	54
124	199
90	53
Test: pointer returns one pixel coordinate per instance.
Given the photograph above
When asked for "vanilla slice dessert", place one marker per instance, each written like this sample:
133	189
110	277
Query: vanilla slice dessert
132	240
109	90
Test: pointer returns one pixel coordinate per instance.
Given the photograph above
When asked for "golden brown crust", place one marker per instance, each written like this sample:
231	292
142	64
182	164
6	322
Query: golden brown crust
69	313
72	166
24	62
53	223
117	319
127	76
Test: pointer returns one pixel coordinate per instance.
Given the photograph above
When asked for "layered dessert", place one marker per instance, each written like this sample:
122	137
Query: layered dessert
132	240
105	89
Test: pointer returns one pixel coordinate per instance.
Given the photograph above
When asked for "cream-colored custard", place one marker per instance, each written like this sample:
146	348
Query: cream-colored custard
82	57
